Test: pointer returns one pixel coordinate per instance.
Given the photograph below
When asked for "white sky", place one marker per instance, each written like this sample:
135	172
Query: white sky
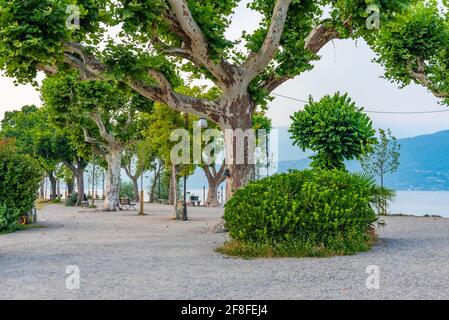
346	67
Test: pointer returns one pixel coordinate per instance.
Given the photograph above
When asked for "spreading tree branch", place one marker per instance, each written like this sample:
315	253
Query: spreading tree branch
94	142
164	93
258	61
110	139
195	44
321	35
420	76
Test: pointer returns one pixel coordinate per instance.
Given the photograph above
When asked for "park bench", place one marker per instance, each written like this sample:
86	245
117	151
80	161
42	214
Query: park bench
194	201
127	204
85	203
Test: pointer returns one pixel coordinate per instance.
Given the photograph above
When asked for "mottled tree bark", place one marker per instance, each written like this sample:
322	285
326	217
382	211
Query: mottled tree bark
79	175
173	190
233	109
157	176
214	179
51	177
114	160
70	187
136	189
78	171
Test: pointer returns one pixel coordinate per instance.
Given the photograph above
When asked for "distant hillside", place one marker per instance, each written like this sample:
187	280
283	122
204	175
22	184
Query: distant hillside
424	164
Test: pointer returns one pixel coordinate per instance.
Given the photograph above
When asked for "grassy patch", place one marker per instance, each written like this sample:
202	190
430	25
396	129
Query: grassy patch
40	203
23	228
296	249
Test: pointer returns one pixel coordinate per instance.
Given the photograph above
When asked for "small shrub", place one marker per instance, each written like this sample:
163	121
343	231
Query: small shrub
20	176
126	190
71	200
311	212
9	219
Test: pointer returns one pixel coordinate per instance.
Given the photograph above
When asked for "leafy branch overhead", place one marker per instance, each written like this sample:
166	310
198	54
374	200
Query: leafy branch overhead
159	39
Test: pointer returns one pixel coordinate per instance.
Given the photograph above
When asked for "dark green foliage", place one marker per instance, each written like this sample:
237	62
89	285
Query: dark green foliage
33	32
326	209
71	200
126	190
335	128
417	41
9	218
20	176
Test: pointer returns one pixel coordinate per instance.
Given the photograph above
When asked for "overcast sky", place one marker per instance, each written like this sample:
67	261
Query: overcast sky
345	66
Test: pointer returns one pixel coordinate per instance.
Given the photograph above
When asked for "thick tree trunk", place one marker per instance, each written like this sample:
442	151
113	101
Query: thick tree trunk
52	179
112	199
153	190
78	172
239	176
136	189
173	189
79	175
212	198
70	187
58	189
240	147
157	174
214	180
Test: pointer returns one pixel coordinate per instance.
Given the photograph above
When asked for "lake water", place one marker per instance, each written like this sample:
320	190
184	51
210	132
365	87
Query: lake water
421	203
416	203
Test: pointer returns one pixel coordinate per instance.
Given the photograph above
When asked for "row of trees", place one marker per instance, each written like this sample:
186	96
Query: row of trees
106	124
162	42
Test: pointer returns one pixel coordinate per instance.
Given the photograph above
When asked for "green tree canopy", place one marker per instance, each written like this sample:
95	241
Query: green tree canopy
335	128
414	47
158	41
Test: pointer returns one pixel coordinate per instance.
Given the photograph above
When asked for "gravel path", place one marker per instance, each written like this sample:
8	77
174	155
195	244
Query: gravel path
124	256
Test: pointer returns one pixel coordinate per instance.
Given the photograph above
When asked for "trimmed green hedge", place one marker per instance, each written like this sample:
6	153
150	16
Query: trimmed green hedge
312	208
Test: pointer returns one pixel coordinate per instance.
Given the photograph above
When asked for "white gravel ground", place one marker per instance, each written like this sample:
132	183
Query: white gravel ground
124	256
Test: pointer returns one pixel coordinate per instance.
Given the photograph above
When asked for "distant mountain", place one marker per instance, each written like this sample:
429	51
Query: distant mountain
424	163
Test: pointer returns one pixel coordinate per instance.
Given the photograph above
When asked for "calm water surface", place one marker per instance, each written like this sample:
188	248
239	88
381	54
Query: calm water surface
421	203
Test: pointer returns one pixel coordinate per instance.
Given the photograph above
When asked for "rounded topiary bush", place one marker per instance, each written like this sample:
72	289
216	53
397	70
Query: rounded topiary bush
311	212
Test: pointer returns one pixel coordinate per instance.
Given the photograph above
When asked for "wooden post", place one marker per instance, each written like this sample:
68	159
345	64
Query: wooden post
204	195
141	213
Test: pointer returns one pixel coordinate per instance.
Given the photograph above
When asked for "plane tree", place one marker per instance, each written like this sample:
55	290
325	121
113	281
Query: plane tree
162	123
107	115
73	151
414	48
160	38
138	157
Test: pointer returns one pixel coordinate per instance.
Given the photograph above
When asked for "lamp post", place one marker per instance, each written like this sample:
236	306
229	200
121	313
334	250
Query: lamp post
202	123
